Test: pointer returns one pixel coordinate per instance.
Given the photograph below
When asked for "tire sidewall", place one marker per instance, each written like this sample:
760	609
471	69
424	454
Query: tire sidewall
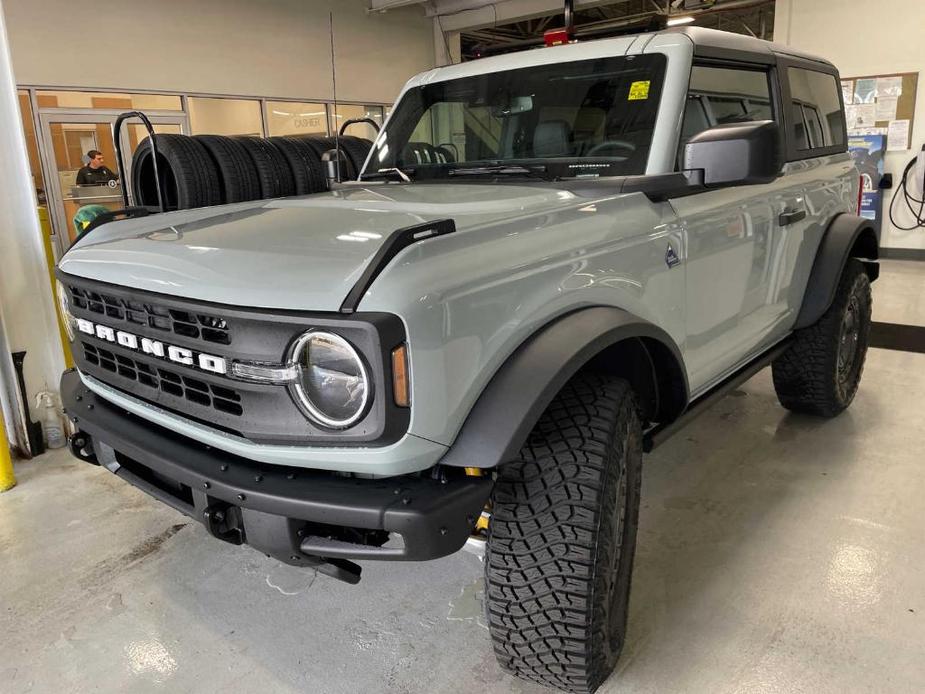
859	288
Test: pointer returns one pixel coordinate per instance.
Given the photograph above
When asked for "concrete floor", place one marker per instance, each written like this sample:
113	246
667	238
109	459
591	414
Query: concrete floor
777	553
899	293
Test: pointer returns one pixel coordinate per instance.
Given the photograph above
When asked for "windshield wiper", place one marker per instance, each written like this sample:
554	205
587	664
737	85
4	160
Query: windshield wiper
386	173
500	170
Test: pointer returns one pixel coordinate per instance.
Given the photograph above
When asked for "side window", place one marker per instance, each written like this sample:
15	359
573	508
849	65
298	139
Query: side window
727	110
695	118
815	95
799	127
817	136
719	95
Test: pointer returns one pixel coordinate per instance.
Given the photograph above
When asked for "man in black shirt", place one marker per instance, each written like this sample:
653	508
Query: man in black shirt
95	173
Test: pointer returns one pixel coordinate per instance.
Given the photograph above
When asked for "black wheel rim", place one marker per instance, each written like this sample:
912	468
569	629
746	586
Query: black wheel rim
849	339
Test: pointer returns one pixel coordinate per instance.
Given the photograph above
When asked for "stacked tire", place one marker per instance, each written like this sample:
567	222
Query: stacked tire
205	170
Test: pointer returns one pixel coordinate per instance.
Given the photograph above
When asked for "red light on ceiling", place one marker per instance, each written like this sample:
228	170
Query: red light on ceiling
557	37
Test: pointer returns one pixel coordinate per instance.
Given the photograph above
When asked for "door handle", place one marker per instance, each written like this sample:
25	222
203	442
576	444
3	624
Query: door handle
791	217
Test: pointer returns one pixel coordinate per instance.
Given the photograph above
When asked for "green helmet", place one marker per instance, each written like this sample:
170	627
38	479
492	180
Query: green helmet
87	214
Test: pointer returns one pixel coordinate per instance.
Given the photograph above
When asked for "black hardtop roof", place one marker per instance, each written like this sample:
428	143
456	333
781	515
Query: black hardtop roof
718	44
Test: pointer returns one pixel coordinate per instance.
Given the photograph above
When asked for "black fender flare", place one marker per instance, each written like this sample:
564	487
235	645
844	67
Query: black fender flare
846	236
523	387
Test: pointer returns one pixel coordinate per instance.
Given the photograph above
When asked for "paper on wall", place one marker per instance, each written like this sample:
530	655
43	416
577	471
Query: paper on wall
889	86
851	117
867	131
897	135
847	91
886	108
861	116
865	91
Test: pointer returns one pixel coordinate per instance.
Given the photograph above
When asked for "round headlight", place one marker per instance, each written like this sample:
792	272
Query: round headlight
64	305
333	385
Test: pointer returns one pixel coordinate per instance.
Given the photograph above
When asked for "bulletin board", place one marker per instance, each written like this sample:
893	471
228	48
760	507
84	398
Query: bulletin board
884	104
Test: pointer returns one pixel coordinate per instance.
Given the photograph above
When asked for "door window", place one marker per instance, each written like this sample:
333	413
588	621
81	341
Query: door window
719	95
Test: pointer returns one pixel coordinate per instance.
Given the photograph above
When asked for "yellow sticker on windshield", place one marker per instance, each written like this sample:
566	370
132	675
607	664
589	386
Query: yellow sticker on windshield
639	90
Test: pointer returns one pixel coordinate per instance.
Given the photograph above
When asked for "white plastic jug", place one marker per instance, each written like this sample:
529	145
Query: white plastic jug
51	422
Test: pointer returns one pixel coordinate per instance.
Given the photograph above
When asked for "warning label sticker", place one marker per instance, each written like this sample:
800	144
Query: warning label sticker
639	90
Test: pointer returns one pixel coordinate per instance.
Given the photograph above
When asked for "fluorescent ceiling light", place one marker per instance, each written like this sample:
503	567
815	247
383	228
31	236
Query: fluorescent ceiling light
675	21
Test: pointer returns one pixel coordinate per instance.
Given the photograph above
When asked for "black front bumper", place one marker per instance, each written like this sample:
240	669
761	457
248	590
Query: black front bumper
301	517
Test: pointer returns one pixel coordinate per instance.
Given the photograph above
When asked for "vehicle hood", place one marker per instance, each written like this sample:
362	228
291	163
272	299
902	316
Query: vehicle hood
302	253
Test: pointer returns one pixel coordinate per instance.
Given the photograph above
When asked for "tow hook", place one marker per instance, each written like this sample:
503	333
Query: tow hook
81	446
224	523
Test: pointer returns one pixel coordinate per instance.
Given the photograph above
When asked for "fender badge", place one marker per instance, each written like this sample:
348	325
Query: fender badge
671	258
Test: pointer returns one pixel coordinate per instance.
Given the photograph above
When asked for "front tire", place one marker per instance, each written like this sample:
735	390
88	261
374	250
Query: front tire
819	374
562	538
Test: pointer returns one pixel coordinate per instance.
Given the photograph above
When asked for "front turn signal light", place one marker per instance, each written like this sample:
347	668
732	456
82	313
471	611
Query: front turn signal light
401	386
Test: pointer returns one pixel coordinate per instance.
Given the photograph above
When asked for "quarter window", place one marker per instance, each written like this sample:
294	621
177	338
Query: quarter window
817	110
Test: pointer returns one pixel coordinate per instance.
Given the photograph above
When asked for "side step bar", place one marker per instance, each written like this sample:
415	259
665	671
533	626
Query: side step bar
660	433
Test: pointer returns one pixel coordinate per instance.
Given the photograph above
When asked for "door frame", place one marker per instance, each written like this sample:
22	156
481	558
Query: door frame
53	192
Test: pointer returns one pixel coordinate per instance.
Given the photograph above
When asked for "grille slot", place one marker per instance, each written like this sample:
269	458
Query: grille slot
197	326
193	390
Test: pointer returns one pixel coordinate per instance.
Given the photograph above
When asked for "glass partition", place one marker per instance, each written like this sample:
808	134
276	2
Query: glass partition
214	116
296	118
107	100
347	112
71	141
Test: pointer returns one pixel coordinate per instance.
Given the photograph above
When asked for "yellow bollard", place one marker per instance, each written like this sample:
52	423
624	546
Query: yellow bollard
7	478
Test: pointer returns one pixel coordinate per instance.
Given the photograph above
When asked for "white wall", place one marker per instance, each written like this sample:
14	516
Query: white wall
275	48
865	38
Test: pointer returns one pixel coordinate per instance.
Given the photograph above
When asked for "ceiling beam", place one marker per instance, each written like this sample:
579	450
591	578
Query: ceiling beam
457	15
385	5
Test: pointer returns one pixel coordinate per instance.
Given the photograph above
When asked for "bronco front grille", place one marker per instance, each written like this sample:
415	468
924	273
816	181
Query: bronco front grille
198	326
118	357
157	378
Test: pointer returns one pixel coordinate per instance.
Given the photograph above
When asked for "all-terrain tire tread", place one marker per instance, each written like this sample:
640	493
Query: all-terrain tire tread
542	568
805	375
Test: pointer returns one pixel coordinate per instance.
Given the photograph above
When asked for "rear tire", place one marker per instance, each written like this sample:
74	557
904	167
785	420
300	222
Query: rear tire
819	374
562	537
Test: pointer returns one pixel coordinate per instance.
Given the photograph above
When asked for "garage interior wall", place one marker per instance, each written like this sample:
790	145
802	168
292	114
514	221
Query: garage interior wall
277	48
866	39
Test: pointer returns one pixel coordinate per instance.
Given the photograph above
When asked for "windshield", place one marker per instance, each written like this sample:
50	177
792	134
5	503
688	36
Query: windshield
584	118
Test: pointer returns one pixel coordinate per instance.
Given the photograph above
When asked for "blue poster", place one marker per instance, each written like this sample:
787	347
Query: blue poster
867	152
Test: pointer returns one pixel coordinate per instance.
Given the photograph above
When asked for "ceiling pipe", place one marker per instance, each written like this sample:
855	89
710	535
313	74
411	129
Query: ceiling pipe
716	9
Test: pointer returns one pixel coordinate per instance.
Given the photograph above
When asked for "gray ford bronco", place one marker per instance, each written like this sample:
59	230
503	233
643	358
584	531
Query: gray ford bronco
551	261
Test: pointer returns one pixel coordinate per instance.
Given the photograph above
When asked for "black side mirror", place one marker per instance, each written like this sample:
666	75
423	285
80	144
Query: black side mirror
735	154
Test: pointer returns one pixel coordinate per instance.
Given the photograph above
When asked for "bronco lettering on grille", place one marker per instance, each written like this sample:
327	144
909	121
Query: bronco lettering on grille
156	348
